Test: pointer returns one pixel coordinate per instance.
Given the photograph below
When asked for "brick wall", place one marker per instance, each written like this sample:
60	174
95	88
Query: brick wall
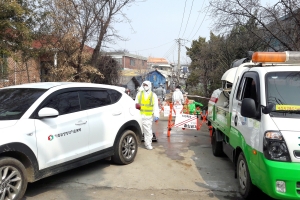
138	63
20	73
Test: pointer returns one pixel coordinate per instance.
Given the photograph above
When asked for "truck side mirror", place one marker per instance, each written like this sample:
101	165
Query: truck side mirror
269	108
248	108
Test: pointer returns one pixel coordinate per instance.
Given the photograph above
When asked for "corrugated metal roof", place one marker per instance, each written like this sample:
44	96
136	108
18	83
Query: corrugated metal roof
112	54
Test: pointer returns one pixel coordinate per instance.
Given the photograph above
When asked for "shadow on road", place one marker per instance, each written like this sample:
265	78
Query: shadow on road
217	172
43	185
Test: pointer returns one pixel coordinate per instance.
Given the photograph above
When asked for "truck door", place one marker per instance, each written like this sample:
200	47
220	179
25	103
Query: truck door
249	87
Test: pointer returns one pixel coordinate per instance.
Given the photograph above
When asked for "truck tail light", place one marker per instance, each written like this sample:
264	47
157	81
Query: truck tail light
214	99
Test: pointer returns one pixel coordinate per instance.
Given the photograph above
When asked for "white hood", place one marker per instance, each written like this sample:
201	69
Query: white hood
287	124
149	85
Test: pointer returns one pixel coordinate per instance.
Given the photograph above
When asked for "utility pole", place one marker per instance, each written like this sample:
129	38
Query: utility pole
178	64
176	71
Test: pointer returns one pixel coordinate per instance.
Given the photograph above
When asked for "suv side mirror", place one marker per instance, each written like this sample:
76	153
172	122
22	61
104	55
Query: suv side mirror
248	108
48	112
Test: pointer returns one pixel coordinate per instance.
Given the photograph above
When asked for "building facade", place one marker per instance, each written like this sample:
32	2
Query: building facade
156	78
129	61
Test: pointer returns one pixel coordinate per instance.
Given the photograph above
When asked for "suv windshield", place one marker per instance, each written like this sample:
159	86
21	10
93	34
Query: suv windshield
15	101
283	90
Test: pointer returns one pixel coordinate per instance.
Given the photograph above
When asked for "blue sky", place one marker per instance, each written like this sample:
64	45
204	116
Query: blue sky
156	26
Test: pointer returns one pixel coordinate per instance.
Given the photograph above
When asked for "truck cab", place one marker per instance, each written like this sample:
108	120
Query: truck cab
258	130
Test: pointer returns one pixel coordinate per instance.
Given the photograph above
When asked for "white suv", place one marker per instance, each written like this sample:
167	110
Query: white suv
47	128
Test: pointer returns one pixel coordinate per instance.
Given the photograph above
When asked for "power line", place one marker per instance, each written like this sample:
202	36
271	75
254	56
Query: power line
170	50
197	19
188	18
201	23
155	47
182	18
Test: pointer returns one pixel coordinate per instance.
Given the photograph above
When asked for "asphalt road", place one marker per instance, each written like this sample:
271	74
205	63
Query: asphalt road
179	167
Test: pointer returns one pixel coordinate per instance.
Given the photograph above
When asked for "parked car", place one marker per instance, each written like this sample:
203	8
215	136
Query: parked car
51	127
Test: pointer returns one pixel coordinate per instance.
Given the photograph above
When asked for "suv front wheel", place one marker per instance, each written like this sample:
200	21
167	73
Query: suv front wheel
126	148
13	182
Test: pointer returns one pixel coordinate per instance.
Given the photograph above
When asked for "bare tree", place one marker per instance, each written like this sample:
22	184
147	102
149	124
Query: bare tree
104	27
76	23
277	25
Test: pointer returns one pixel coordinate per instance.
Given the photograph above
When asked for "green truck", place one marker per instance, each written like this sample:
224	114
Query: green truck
254	120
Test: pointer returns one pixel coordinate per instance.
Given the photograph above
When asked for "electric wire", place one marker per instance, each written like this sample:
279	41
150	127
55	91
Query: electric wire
169	50
201	22
188	18
182	18
167	54
170	54
197	19
154	47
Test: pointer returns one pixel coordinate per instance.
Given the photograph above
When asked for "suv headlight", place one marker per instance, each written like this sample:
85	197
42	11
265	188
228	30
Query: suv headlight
275	147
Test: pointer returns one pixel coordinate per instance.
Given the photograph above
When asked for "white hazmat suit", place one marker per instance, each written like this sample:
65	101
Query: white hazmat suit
177	97
147	121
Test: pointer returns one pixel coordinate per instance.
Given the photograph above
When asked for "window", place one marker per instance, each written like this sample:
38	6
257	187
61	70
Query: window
16	101
65	103
96	98
283	88
248	89
114	95
132	62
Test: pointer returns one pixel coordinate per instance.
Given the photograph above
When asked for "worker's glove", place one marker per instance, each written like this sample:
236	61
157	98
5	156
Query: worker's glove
156	119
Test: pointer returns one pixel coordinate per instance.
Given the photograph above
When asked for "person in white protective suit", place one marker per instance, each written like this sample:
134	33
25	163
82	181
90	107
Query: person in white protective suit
149	111
177	97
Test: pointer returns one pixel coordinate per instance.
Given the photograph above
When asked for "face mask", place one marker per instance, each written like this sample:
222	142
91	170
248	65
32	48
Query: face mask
146	88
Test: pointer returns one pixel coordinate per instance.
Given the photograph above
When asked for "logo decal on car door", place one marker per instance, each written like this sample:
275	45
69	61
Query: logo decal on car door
50	137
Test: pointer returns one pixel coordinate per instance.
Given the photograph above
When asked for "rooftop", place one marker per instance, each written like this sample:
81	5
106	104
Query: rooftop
157	60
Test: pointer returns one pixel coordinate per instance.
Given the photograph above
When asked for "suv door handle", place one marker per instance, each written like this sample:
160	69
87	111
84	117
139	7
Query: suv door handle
117	113
81	122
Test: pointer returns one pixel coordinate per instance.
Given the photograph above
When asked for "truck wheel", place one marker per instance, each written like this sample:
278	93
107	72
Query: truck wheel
13	181
217	147
126	148
246	187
